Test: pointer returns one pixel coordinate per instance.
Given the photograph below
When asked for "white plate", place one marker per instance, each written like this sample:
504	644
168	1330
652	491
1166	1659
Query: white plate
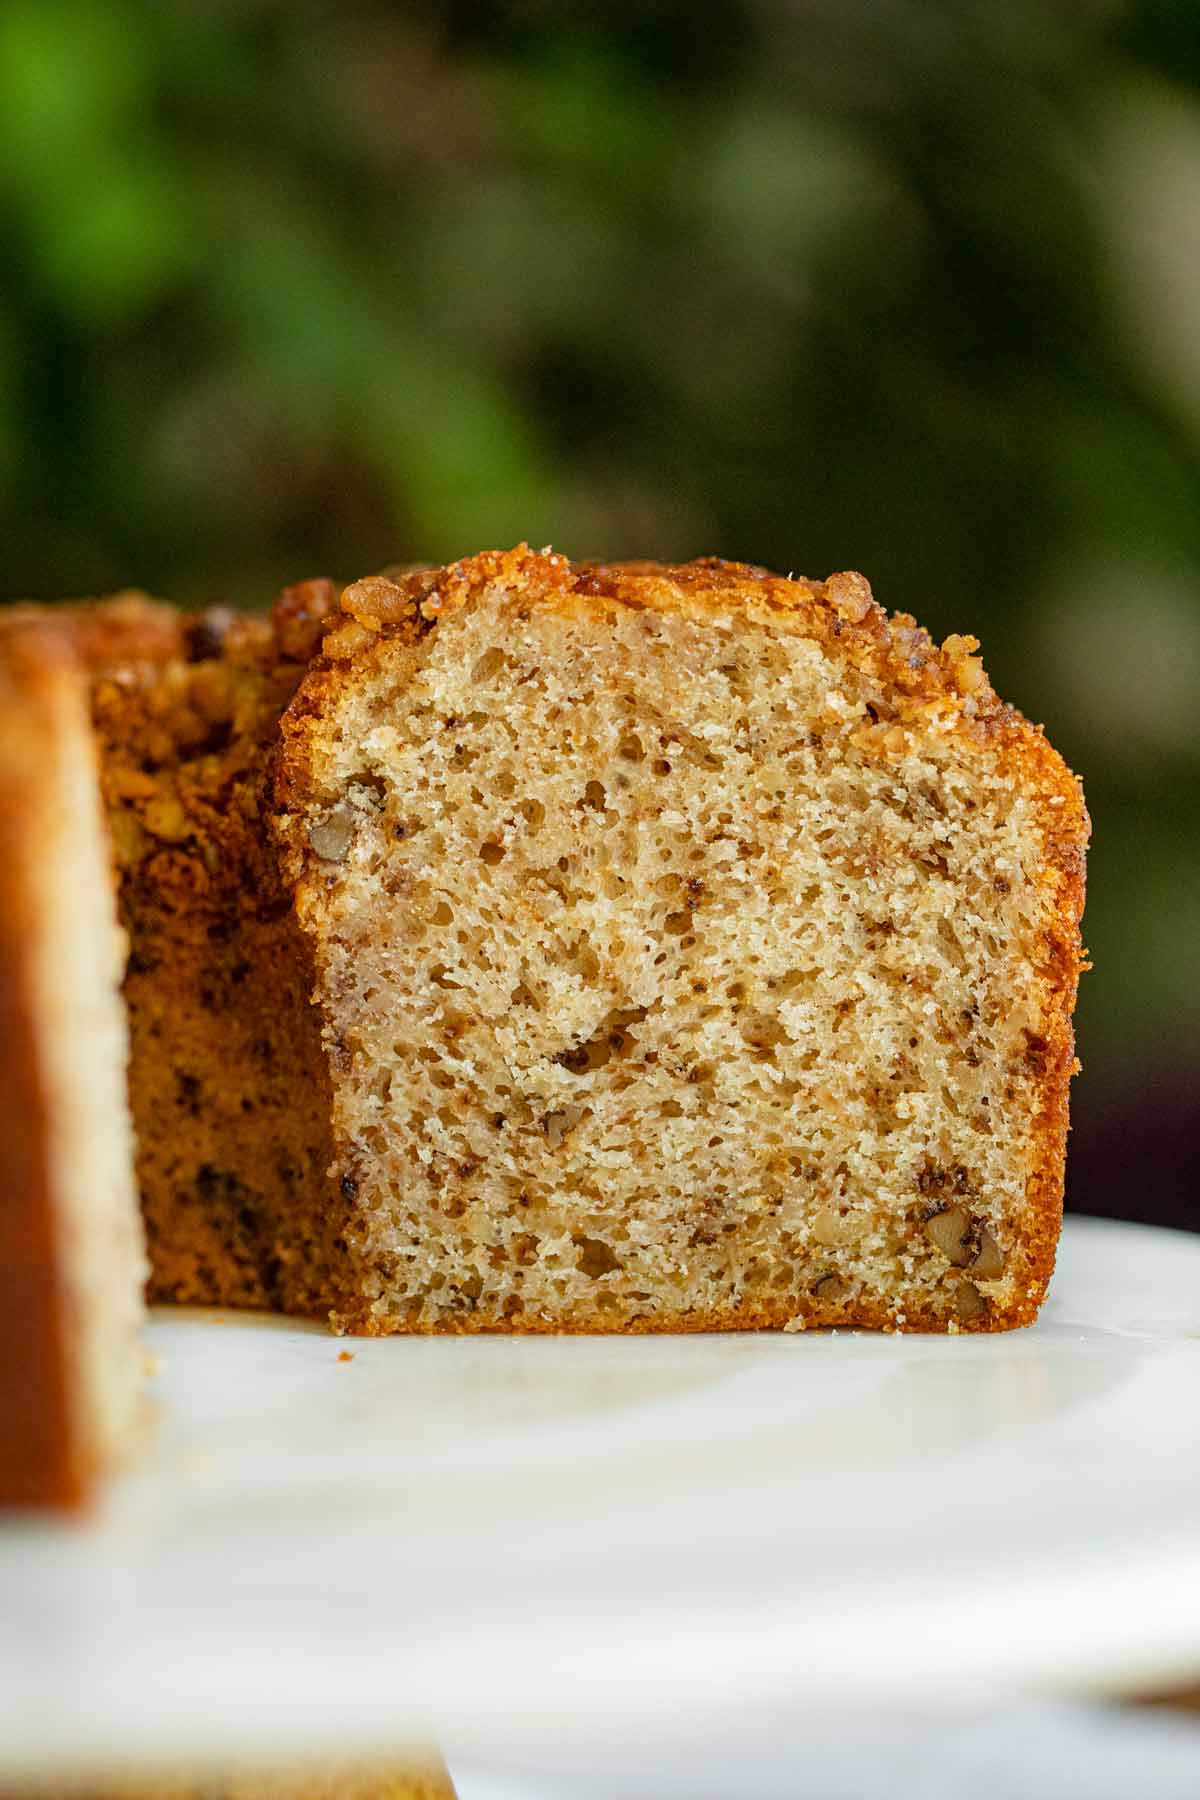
511	1539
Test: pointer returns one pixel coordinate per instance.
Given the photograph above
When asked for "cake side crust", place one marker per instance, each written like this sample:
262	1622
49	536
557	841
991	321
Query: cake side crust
228	1083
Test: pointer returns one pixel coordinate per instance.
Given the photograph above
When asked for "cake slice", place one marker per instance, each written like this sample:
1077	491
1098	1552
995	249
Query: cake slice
72	1262
693	949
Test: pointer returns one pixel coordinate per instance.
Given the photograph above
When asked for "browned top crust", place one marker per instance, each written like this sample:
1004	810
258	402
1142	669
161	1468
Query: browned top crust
909	683
186	706
131	630
915	677
124	628
41	1459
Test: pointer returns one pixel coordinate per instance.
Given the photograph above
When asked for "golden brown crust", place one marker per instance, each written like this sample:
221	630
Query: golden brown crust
911	684
916	681
123	628
42	1458
1060	970
913	673
799	1312
228	1085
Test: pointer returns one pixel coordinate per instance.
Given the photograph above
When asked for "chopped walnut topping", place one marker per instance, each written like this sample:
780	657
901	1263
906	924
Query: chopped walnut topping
850	594
968	671
299	616
378	600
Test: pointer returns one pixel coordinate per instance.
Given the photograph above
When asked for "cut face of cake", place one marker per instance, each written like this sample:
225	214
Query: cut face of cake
72	1261
694	949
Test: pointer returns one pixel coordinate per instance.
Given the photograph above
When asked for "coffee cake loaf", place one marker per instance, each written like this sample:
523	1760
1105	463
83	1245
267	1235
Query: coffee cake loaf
72	1261
693	948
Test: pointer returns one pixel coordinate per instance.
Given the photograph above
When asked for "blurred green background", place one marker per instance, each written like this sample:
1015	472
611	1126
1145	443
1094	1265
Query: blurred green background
905	286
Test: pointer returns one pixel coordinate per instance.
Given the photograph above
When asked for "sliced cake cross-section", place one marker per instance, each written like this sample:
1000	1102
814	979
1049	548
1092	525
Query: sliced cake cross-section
694	949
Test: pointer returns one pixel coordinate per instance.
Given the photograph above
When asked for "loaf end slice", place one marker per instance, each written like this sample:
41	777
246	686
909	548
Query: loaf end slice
72	1264
694	949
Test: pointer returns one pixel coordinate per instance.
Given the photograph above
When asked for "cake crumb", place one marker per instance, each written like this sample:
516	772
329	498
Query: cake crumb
696	951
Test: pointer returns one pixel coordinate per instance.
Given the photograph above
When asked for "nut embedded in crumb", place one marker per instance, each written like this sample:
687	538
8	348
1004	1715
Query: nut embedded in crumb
712	857
966	1242
969	1303
949	1230
331	836
833	1229
990	1261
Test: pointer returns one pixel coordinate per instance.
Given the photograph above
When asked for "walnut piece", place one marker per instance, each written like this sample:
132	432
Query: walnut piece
831	1228
330	838
949	1230
969	1303
966	1242
376	599
990	1260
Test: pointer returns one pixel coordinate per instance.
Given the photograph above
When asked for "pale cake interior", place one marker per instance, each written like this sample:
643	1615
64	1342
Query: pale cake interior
76	961
663	987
